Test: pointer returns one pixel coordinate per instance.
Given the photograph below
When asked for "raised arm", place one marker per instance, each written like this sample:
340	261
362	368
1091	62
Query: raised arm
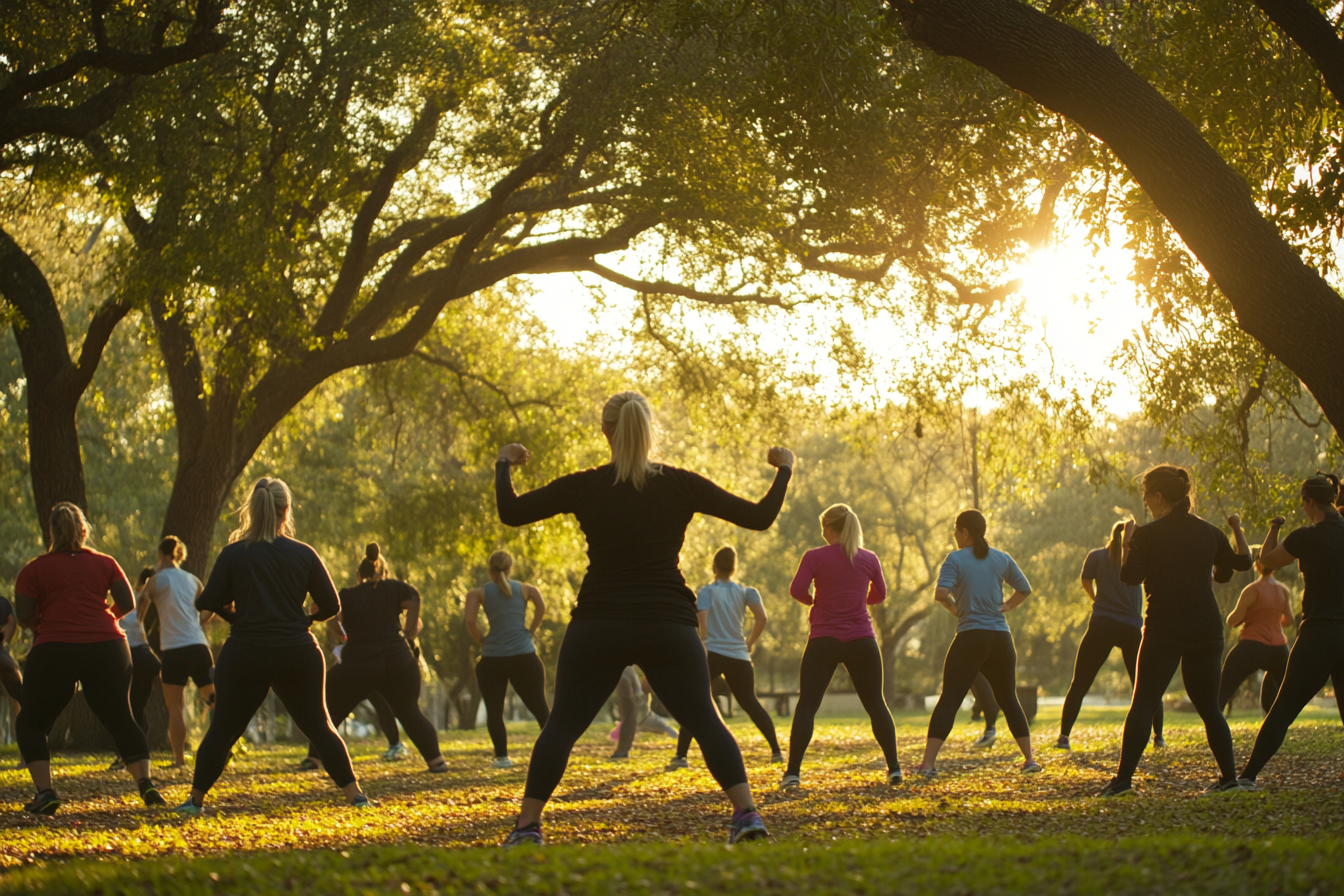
1134	562
1244	603
1273	554
472	610
556	497
533	595
411	606
711	500
1229	560
143	597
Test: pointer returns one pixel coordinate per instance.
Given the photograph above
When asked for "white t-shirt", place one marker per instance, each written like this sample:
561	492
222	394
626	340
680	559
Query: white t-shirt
135	632
174	592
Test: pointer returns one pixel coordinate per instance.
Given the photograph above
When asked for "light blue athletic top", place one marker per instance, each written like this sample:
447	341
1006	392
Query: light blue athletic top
726	605
508	635
977	587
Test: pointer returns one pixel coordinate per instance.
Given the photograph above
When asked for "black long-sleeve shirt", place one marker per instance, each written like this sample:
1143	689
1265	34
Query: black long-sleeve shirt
1176	559
635	536
267	582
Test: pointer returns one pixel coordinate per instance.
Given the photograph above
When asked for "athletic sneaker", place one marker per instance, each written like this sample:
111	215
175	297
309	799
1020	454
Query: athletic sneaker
190	809
309	764
619	757
45	802
1063	743
361	802
1159	742
790	782
501	762
677	762
1031	768
925	774
530	835
395	752
746	826
1233	786
1116	788
117	766
1246	783
986	740
776	758
895	778
152	797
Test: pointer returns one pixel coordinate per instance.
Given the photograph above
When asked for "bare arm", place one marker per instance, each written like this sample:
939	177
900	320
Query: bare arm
702	624
1089	585
335	629
1244	603
1017	600
757	625
538	602
471	611
1273	554
944	596
143	599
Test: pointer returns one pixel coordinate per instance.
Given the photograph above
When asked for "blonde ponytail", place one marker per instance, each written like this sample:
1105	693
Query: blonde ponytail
500	564
628	421
259	519
69	528
839	518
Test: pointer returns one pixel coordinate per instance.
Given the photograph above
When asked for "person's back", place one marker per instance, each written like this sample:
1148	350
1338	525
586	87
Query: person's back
71	589
725	603
174	591
977	586
508	635
1176	559
267	582
371	616
1319	550
1115	598
1264	618
843	589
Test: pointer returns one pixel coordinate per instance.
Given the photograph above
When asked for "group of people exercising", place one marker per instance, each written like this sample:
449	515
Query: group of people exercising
634	609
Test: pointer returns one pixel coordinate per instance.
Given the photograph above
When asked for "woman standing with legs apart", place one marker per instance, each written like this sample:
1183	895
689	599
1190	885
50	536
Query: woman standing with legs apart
633	606
264	575
1262	611
1172	557
508	656
1318	652
184	650
1117	621
62	597
839	582
970	586
722	606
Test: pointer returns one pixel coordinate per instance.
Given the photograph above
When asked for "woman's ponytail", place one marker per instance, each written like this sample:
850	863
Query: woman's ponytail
69	527
374	564
259	519
1115	547
841	519
973	522
499	565
628	421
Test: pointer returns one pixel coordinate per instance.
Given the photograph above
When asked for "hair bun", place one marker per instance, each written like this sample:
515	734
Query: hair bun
371	550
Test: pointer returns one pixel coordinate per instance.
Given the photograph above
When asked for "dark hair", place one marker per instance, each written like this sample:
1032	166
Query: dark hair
144	576
1323	488
172	546
1170	481
373	566
1115	547
725	561
973	521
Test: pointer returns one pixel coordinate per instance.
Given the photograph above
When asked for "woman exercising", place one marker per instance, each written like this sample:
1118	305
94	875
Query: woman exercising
839	582
633	606
1177	557
508	656
1262	611
258	585
145	665
1116	621
970	587
722	606
62	597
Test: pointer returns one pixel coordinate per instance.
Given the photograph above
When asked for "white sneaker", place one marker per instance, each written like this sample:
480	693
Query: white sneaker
678	762
395	752
986	740
790	782
501	762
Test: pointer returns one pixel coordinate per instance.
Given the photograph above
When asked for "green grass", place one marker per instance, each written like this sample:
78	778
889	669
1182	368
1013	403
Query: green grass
979	827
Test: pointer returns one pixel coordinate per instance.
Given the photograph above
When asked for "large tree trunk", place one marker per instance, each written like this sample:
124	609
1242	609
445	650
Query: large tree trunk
1278	299
200	491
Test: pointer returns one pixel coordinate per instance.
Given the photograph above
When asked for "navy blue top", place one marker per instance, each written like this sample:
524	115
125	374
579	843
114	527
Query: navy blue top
267	582
1115	600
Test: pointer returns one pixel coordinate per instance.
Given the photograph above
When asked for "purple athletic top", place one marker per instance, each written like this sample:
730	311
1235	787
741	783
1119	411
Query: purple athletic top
842	594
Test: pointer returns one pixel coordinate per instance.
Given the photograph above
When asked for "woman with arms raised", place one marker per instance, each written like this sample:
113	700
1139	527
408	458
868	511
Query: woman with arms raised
633	606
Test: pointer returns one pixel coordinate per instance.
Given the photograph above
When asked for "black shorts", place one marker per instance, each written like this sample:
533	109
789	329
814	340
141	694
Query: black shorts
193	661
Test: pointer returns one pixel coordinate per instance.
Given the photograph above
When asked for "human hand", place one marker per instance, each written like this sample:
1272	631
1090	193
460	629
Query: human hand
515	454
779	457
1277	522
1129	531
1234	521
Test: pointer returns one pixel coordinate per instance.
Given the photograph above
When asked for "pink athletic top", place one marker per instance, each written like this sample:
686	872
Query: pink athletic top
1264	618
843	591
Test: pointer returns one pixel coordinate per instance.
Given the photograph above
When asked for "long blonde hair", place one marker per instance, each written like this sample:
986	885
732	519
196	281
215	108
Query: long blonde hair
628	420
259	517
69	527
499	565
840	518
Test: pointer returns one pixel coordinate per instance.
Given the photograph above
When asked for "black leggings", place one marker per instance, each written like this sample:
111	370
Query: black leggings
863	661
1102	636
145	668
1317	656
243	675
971	653
10	676
741	678
1244	660
103	670
494	674
395	675
387	719
592	656
1199	660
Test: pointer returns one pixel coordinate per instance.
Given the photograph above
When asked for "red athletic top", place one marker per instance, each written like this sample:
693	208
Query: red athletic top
71	593
1264	617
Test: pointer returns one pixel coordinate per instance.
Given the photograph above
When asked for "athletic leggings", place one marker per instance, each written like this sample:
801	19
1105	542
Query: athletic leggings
244	673
1317	656
592	656
394	674
1102	636
525	672
103	670
1199	660
984	699
863	661
145	667
387	719
10	676
972	652
1247	658
741	678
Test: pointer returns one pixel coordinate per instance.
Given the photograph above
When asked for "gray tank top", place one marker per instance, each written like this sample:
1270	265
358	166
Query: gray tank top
508	634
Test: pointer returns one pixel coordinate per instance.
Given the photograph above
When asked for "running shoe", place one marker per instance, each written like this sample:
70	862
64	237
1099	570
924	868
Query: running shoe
528	836
1233	786
190	809
895	778
746	826
1159	742
501	762
395	752
309	764
776	758
925	774
986	740
620	757
361	802
152	797
1063	743
790	782
117	765
1116	788
1031	768
1246	783
45	802
678	762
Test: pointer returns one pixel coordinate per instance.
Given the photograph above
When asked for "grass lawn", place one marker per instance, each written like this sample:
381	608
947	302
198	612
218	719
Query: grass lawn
980	827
